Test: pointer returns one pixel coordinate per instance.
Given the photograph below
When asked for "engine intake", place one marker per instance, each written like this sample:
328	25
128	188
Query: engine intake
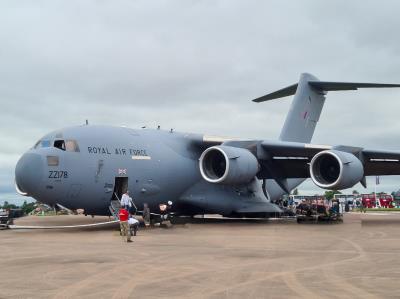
336	170
228	165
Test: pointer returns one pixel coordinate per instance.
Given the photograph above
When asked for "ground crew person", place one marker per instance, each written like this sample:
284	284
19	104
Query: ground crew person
362	207
146	214
163	212
123	223
133	225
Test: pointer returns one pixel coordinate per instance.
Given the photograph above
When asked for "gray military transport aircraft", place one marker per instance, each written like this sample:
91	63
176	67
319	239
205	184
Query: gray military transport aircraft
89	167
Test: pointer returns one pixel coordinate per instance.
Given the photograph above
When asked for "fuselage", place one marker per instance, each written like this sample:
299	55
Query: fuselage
81	174
85	167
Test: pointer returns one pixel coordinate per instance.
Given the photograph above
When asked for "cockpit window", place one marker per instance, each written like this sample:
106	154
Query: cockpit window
71	146
60	144
67	145
42	143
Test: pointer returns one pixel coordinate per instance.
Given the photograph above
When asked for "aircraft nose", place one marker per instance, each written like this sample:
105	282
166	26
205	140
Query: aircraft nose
28	173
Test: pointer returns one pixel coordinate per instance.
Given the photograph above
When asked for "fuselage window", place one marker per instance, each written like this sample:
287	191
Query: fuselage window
60	144
52	160
71	146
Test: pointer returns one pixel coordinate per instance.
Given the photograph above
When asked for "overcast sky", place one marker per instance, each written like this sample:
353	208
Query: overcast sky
194	66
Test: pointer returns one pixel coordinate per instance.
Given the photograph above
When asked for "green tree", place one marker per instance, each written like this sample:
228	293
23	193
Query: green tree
28	207
330	193
355	192
8	205
295	192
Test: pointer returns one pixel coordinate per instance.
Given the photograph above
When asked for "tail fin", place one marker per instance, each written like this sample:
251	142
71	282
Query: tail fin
309	99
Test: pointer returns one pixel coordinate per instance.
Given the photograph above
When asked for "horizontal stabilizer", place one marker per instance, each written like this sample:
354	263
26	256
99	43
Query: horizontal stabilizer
281	93
328	86
322	86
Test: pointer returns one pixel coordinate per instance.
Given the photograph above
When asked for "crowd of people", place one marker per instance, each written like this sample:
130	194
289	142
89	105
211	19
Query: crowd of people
129	225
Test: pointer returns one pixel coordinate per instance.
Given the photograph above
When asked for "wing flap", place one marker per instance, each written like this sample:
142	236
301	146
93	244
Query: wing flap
282	160
390	156
381	162
292	149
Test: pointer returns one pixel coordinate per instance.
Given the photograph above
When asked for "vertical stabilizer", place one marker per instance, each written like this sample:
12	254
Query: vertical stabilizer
304	112
300	122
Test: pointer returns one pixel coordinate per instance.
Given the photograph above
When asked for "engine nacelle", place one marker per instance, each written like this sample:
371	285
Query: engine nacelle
228	165
336	170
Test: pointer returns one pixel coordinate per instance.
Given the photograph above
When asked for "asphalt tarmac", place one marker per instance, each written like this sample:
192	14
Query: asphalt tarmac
359	258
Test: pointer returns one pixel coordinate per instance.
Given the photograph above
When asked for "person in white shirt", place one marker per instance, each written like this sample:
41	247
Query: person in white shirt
126	201
133	225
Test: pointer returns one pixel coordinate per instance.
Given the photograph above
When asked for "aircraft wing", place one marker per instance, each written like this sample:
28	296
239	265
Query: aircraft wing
283	160
381	162
291	159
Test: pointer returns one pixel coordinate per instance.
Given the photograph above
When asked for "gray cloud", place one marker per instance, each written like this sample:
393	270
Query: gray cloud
199	63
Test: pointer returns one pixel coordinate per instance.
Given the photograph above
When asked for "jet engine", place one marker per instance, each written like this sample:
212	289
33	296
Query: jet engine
228	165
336	170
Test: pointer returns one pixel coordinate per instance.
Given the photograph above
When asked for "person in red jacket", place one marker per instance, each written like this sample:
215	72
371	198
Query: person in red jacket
123	223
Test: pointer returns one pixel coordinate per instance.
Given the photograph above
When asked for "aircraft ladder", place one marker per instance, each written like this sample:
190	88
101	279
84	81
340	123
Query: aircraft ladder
114	207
